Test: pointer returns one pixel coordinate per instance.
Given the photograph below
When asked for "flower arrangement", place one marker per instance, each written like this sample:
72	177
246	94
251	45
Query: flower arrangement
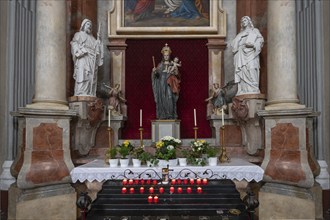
166	148
111	153
125	149
198	148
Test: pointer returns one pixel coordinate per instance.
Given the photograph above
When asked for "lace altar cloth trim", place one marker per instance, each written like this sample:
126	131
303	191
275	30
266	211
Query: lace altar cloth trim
236	169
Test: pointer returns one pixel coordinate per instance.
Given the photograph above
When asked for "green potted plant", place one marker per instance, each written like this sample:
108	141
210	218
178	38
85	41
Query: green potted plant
136	156
110	156
124	150
211	153
166	150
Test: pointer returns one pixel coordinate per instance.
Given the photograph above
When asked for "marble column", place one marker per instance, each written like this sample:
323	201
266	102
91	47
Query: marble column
44	162
281	58
50	75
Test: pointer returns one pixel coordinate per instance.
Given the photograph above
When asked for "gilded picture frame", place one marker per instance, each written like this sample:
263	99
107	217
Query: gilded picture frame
126	21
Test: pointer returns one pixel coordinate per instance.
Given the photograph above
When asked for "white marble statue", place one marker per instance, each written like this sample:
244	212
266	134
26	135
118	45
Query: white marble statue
246	48
87	54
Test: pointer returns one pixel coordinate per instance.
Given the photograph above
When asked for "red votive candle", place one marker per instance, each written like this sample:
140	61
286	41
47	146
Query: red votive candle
198	181
150	198
151	190
154	182
192	181
141	189
189	190
124	181
185	181
161	190
199	189
173	181
172	189
155	199
131	190
148	181
130	182
123	190
179	189
136	181
179	181
205	181
142	181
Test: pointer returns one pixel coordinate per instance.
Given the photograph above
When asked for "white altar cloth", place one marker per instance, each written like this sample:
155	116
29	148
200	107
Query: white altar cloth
236	169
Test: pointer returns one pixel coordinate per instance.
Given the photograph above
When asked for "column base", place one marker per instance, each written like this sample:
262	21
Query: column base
280	106
50	202
6	179
279	201
48	105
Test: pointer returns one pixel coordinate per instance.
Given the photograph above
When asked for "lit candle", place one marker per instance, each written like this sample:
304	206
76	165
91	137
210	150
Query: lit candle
173	181
123	190
124	181
198	181
141	189
151	190
192	181
189	190
140	118
199	190
195	123
131	190
150	198
179	189
205	181
223	120
155	199
109	118
172	189
161	190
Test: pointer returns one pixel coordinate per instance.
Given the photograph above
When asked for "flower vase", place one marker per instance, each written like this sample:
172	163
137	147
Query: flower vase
182	162
173	162
136	162
124	162
213	161
113	162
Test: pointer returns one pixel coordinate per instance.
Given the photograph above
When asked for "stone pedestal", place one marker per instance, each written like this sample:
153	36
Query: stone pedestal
286	155
90	115
46	156
244	110
161	128
279	201
48	202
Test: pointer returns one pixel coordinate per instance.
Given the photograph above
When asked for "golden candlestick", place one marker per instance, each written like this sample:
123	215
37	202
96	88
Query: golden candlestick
195	132
223	157
110	140
141	136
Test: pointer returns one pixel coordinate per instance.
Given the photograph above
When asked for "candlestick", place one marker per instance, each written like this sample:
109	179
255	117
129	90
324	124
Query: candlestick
195	132
223	156
195	122
141	118
141	136
109	114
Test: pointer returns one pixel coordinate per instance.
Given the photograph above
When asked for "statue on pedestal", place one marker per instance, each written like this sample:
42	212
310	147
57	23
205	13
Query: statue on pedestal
246	48
87	54
166	85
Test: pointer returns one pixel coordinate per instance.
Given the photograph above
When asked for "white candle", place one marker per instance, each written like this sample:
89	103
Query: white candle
195	123
141	118
109	118
223	120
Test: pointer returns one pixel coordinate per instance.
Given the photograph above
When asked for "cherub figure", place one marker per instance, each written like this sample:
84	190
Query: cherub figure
217	98
115	99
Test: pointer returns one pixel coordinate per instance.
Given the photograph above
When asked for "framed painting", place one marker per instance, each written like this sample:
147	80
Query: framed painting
167	17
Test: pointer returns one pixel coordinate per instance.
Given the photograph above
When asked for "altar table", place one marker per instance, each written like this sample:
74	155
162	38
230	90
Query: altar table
236	169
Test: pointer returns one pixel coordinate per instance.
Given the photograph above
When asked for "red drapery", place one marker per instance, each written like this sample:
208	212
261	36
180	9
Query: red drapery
193	54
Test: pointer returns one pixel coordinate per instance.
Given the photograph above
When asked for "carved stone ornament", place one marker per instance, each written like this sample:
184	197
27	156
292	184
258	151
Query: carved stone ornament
240	109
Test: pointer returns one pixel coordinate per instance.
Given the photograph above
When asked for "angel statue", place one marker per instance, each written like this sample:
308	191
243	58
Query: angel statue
115	99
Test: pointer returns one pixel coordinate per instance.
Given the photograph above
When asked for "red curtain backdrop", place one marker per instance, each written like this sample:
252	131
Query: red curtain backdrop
193	54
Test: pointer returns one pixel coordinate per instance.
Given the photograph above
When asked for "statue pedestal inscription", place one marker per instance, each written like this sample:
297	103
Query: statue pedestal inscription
161	128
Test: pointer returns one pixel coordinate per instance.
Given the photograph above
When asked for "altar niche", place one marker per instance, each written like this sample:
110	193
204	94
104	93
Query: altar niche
162	128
